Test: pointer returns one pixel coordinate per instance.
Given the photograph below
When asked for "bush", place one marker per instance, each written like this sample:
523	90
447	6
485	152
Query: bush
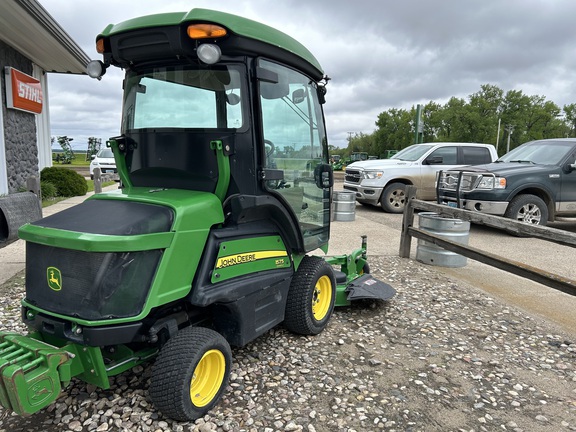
47	190
68	183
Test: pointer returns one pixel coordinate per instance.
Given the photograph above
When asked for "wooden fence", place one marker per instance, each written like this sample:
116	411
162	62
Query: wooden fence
517	228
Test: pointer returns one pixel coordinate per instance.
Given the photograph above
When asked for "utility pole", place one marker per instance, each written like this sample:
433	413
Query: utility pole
419	127
498	135
509	129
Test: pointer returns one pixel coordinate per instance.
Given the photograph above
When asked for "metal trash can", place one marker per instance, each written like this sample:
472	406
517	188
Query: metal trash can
455	230
16	210
344	203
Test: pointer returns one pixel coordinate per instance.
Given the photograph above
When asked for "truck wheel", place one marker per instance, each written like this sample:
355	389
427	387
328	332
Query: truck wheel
311	297
528	208
190	374
393	198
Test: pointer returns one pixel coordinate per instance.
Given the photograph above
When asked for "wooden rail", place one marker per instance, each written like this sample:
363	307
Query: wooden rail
544	233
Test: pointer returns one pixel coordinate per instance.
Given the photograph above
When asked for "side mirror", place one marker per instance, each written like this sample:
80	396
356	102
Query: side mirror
322	94
324	176
568	168
298	96
232	98
93	157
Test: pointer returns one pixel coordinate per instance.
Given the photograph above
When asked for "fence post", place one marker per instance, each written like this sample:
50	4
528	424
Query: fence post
33	185
407	222
97	180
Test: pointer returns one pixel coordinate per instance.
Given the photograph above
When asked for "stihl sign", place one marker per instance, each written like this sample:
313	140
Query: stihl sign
23	92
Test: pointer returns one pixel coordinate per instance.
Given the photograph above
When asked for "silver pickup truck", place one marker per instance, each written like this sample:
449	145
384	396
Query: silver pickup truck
383	181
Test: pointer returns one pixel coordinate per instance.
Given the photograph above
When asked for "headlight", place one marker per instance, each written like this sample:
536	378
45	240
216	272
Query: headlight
373	174
492	183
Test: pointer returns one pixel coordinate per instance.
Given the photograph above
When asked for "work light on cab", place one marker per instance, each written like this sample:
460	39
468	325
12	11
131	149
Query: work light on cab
95	69
209	53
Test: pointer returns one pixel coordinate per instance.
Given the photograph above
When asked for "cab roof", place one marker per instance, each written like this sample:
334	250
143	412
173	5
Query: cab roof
237	25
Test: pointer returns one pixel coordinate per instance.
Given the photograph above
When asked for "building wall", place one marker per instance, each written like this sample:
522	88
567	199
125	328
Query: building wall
19	128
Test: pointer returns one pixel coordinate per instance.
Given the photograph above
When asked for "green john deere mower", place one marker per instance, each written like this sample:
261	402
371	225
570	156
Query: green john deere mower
225	193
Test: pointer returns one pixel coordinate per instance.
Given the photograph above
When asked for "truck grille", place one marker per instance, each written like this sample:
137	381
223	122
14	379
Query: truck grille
448	180
353	176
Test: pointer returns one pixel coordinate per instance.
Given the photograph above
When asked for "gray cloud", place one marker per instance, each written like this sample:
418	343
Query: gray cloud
380	55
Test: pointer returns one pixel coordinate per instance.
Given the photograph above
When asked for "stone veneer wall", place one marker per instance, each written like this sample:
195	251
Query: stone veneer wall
19	127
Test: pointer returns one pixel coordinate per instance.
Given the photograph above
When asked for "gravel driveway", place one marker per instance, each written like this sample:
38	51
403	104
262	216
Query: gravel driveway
440	356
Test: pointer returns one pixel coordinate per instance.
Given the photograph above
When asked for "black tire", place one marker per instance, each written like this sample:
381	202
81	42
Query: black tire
311	297
529	209
393	198
196	360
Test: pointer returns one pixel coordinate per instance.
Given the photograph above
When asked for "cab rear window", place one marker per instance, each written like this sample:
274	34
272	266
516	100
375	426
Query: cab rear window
475	155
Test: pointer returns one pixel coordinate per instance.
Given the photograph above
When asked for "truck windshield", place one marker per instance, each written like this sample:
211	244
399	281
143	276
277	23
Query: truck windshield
183	97
412	153
551	153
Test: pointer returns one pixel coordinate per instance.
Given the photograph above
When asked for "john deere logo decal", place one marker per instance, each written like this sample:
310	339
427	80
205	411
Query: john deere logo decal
54	278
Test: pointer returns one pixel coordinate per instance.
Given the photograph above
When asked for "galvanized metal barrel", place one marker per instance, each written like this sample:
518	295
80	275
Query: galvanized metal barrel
455	230
344	206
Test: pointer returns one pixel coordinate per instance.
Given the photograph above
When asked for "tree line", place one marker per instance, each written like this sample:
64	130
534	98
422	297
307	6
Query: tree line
491	116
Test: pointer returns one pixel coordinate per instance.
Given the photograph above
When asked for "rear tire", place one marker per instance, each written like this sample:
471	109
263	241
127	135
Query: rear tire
393	198
190	374
529	209
311	297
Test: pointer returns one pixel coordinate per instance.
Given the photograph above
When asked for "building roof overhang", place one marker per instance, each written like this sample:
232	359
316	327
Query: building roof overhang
29	28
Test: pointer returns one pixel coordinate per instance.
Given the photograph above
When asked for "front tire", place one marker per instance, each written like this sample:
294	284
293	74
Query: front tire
191	373
393	198
311	297
529	209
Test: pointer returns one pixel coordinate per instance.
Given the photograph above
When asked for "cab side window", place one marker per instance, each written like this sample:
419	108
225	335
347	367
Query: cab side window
448	155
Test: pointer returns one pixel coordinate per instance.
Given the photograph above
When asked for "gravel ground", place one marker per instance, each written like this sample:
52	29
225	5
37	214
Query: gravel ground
440	356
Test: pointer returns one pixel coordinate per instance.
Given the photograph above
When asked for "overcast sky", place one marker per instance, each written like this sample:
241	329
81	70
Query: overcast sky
380	54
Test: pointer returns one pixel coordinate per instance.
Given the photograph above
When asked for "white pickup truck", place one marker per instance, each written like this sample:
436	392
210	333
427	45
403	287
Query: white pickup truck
383	181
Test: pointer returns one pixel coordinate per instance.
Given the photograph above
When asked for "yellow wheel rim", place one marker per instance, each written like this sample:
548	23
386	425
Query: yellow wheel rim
207	378
322	298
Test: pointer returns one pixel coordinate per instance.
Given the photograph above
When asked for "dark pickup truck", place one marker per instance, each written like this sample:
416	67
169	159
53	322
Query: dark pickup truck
534	183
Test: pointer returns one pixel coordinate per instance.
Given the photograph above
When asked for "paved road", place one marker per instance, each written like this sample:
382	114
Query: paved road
384	229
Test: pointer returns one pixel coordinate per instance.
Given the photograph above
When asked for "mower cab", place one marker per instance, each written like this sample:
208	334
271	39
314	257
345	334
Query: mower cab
225	192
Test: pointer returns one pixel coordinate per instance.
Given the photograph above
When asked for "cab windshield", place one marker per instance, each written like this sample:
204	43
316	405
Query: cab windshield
183	97
552	153
170	117
412	153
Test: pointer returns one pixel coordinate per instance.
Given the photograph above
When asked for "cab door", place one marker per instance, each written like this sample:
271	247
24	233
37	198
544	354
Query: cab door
567	197
294	149
443	158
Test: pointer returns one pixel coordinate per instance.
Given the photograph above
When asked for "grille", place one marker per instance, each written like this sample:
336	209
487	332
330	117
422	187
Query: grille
91	285
449	180
353	176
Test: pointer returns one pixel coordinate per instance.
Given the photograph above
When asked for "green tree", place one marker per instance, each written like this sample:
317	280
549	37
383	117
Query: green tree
570	119
394	130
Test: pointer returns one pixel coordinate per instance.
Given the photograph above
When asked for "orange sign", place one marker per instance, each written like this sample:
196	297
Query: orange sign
23	92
